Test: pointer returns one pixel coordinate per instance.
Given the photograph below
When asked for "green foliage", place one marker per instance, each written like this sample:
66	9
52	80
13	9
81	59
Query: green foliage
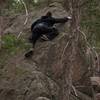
13	45
9	42
10	47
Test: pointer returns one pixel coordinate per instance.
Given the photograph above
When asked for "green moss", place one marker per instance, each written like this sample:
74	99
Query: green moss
11	46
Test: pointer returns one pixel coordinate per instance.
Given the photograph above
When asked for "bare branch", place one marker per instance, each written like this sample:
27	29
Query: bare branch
83	4
26	12
74	90
25	22
97	59
0	41
64	51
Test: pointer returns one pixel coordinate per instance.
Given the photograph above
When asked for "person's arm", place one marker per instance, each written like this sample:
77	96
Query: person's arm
62	20
37	21
32	26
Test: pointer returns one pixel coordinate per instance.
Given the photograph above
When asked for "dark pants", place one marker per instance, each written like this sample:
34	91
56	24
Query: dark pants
41	29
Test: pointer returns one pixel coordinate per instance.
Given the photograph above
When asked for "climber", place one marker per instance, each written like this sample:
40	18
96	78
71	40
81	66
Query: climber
43	28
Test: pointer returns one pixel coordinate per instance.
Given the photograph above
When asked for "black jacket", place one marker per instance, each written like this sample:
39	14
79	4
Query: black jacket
49	21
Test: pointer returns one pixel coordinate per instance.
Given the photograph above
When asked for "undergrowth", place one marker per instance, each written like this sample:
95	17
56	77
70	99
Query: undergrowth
11	46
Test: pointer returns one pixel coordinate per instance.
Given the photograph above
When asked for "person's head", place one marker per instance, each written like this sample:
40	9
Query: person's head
49	14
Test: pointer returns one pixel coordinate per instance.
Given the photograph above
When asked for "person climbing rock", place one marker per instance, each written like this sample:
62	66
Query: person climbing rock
43	28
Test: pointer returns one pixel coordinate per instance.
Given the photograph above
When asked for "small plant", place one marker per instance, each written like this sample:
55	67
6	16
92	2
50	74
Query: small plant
12	45
9	41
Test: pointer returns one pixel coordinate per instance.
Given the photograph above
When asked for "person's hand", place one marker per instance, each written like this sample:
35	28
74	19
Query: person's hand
31	49
69	17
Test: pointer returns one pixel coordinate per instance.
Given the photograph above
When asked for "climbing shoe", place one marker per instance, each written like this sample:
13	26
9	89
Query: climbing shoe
29	53
45	38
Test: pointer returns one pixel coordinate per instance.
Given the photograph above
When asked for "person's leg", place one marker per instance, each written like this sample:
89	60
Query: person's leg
30	39
49	33
52	33
35	35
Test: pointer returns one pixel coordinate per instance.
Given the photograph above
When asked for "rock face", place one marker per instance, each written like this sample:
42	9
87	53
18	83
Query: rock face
27	86
98	96
48	54
38	78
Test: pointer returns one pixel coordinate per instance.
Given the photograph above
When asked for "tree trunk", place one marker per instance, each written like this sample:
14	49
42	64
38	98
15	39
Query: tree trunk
75	12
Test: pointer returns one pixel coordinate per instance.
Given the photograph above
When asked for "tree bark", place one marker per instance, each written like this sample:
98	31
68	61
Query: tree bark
75	12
